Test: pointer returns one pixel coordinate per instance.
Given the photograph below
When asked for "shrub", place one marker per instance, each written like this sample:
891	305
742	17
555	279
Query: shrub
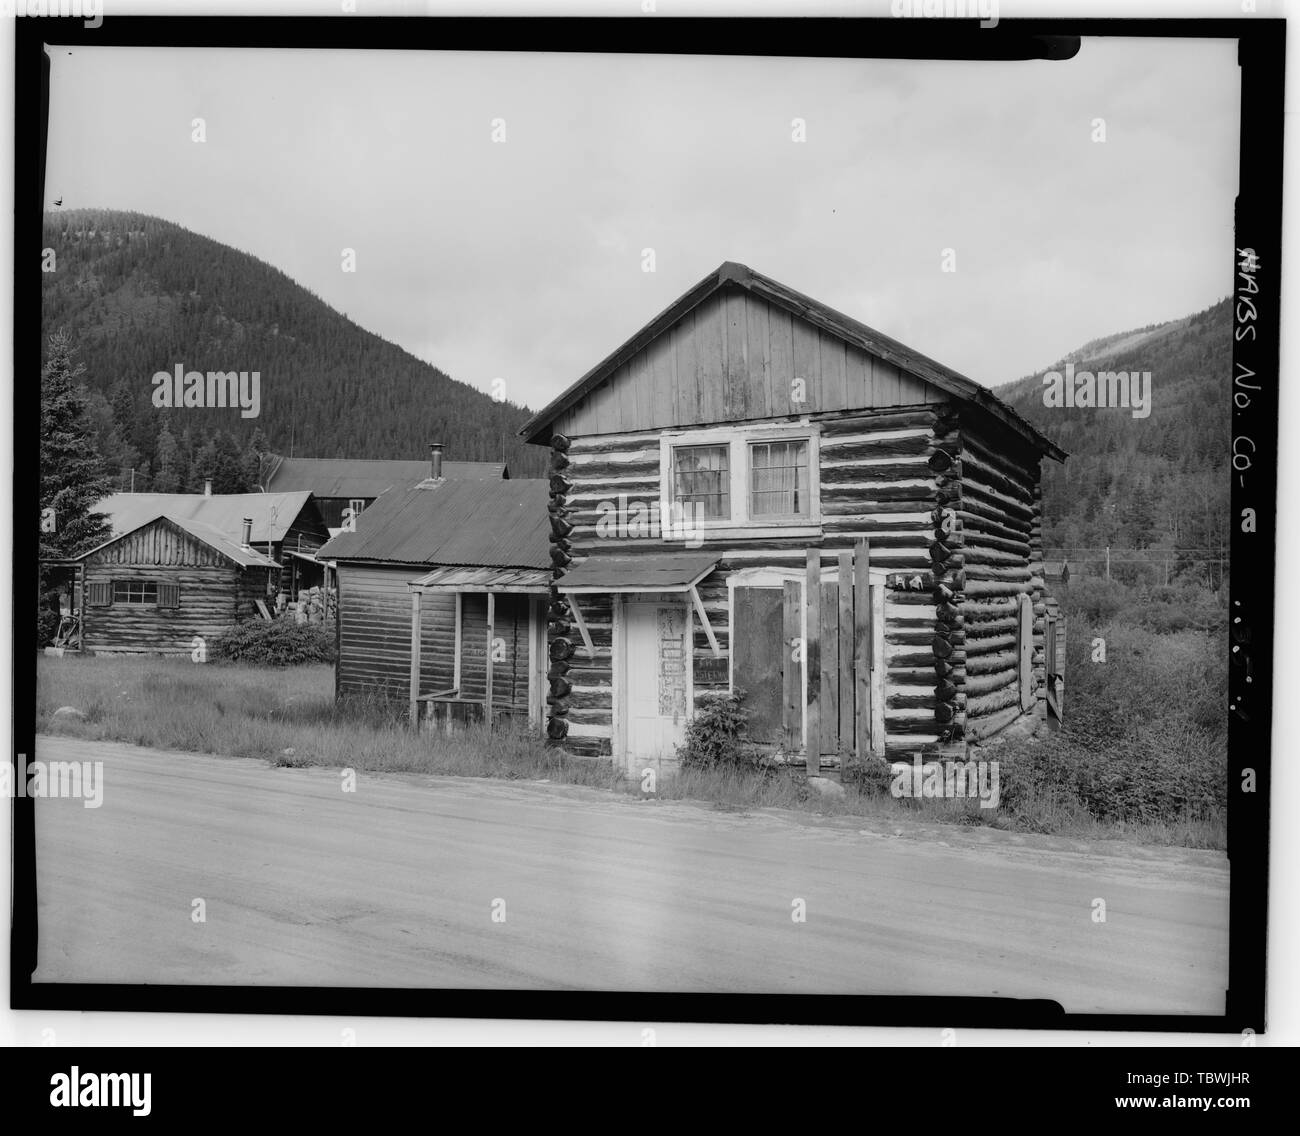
713	735
277	643
1093	599
47	626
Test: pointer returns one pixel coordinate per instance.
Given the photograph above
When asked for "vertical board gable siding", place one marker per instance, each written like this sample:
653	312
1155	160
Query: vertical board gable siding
159	544
734	359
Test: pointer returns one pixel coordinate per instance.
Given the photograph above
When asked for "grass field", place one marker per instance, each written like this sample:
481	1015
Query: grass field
288	716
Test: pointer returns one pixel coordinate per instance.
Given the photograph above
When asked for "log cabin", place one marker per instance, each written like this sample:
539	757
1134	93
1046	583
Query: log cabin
442	588
169	586
756	492
346	486
287	527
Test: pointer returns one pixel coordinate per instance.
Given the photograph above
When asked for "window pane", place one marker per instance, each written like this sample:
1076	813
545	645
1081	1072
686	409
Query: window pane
778	479
702	480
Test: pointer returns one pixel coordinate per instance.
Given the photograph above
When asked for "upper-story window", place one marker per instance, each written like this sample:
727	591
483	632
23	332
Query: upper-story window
702	480
742	475
356	504
778	478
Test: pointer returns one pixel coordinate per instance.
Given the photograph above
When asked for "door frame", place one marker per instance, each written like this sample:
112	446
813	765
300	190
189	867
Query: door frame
777	578
619	669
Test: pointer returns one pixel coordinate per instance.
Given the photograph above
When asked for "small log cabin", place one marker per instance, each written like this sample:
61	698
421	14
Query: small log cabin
442	589
168	586
287	527
757	492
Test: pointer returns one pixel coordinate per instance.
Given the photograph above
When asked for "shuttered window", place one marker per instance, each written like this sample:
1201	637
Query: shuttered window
169	595
99	593
135	591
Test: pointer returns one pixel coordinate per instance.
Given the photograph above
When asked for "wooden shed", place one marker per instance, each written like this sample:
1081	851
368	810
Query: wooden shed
758	492
442	593
167	584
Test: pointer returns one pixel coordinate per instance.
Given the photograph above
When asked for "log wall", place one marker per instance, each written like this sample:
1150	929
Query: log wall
214	593
999	511
886	475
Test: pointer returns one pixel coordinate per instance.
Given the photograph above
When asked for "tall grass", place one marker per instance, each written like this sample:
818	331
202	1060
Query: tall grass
1143	755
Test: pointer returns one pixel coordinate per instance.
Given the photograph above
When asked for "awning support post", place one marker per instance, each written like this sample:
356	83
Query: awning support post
704	619
582	625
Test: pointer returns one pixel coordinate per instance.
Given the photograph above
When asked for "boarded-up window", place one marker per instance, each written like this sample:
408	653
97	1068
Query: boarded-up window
758	654
169	595
1026	652
99	593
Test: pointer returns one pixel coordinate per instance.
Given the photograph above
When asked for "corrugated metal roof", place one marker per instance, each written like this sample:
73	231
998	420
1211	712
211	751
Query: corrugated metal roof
639	573
271	513
358	477
214	538
471	579
477	523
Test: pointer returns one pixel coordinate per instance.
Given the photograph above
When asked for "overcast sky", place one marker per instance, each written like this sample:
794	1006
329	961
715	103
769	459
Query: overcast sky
522	259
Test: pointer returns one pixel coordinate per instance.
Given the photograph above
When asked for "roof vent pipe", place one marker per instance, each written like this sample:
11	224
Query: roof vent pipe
247	541
435	460
207	487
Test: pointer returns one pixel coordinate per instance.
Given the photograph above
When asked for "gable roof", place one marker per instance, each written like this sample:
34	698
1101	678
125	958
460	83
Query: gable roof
501	524
214	538
732	275
363	477
272	513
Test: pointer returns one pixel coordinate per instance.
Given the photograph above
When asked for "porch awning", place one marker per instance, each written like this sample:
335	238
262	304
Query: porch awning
607	575
675	572
531	581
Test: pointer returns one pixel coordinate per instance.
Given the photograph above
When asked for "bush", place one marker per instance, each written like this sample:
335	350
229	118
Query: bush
278	643
47	626
713	735
1093	599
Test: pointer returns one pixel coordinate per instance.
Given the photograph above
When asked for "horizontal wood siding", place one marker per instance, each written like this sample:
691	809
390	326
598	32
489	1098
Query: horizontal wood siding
736	358
510	671
375	634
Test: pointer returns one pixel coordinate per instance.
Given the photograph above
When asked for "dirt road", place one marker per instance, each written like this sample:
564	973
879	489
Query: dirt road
441	882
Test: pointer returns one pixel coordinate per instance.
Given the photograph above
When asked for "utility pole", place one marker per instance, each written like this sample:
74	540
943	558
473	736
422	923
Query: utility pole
1108	563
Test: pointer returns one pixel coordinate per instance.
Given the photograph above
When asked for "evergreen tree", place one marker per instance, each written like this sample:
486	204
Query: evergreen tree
203	467
227	465
254	457
72	475
167	467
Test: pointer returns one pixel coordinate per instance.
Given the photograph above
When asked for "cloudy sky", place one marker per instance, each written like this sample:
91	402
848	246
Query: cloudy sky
522	259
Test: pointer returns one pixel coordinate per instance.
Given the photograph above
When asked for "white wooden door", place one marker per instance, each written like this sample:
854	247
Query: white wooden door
656	682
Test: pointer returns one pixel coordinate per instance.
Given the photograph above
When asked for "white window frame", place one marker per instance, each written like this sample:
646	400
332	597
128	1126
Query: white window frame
357	505
738	440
